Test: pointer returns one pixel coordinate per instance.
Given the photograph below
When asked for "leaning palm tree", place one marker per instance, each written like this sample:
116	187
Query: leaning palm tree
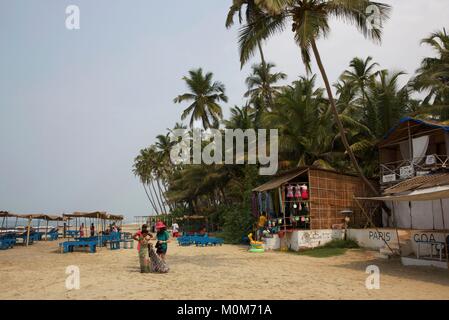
309	22
261	84
205	96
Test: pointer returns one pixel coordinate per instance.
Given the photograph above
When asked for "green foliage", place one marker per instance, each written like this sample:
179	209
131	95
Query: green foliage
330	249
237	223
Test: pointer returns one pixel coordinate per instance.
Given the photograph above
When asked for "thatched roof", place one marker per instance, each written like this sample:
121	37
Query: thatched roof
38	216
95	215
6	214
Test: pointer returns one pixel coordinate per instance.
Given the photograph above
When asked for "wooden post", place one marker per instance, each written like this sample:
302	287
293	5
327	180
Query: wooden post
46	230
442	213
396	228
28	232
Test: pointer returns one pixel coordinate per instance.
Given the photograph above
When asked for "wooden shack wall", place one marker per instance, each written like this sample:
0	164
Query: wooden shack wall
331	193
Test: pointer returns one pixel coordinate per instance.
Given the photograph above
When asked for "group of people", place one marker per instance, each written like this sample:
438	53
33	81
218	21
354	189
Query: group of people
112	228
151	260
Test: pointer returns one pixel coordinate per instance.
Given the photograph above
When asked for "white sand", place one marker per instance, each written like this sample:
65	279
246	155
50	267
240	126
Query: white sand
227	272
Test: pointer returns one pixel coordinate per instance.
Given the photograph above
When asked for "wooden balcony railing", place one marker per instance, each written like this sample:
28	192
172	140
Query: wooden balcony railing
397	171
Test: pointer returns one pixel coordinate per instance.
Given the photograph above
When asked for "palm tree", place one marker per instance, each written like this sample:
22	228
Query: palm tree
205	96
142	169
301	115
241	118
261	83
390	103
360	75
433	76
309	22
252	13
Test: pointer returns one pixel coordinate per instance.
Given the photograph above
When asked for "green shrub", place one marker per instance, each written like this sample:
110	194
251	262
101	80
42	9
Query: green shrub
238	223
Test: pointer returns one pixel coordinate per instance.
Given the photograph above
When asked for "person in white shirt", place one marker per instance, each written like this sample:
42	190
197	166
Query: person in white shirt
175	229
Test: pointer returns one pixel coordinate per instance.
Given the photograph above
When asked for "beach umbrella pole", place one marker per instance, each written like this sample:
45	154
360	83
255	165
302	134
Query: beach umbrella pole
28	231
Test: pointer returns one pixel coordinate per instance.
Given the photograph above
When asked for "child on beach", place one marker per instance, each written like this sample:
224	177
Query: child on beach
162	237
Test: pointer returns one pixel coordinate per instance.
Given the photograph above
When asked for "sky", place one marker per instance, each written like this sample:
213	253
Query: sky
76	106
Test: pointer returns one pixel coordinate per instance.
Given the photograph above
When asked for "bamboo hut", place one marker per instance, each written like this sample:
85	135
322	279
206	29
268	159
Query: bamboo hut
311	199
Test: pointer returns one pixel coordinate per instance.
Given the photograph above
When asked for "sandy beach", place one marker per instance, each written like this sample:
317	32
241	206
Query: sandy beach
227	272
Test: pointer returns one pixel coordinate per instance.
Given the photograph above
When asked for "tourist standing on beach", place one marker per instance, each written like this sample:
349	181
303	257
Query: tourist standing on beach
175	229
162	237
144	258
82	230
92	230
137	235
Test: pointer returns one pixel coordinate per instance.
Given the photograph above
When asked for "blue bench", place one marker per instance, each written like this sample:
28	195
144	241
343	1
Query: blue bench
68	246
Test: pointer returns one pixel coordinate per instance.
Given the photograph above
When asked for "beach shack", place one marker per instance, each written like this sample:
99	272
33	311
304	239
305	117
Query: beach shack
309	206
415	186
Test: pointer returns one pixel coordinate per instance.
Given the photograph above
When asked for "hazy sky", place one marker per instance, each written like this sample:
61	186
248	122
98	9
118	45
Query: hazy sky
77	106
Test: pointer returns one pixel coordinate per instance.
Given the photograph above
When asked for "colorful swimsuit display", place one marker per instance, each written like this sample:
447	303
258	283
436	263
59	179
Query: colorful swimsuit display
289	191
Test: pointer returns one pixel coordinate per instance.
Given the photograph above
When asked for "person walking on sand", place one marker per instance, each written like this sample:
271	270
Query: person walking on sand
144	259
162	237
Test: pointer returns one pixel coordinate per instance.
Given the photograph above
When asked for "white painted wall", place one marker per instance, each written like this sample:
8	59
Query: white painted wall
372	239
303	239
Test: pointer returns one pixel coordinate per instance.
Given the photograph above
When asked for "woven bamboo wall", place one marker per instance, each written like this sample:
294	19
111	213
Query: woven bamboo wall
330	193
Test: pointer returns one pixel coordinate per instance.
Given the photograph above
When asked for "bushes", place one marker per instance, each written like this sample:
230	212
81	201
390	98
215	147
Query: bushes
238	222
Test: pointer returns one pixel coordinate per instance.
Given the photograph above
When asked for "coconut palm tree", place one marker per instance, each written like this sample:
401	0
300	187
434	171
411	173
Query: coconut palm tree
359	76
302	116
433	76
390	102
261	84
309	22
142	169
205	96
252	13
241	118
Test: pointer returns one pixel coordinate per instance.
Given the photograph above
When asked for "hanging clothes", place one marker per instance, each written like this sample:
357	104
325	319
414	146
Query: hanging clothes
289	191
259	197
297	191
304	192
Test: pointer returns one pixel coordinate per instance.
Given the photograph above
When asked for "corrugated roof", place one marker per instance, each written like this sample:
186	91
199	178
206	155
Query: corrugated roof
427	123
421	182
280	180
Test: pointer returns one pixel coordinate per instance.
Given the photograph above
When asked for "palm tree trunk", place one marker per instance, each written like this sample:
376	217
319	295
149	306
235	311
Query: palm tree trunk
157	198
162	195
338	120
262	56
149	198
